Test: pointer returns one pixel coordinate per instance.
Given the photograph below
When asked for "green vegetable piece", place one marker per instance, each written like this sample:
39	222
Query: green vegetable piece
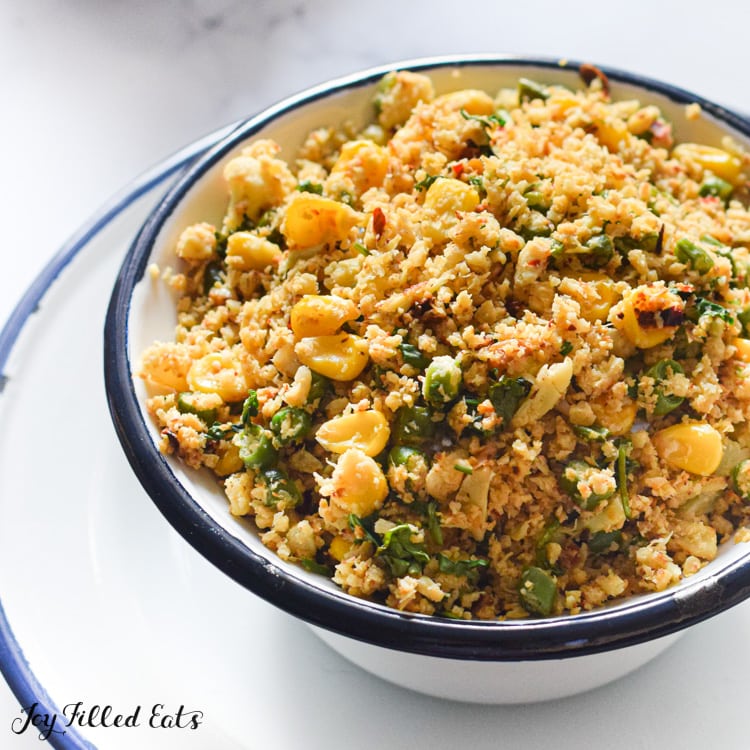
468	568
433	523
528	90
306	186
692	255
313	566
319	387
189	403
599	251
506	396
256	447
744	318
402	555
702	306
249	407
425	183
413	356
290	425
212	275
661	371
550	533
442	380
740	477
280	489
406	455
573	474
602	541
536	200
538	591
591	434
366	524
715	186
413	425
492	121
623	451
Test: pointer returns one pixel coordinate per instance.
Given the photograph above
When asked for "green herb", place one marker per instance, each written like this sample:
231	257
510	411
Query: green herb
360	248
661	371
217	431
433	523
366	524
249	407
703	306
413	356
413	425
506	396
623	451
401	554
315	567
306	186
566	348
602	541
468	568
212	276
425	183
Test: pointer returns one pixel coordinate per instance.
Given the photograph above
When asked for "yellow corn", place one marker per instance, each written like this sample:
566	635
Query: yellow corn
716	160
312	220
641	309
619	421
598	296
364	161
338	548
321	315
473	101
248	252
220	373
340	357
366	430
446	196
611	133
693	446
743	349
229	461
359	484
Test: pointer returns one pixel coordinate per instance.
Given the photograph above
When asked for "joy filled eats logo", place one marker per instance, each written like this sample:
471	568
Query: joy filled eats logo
38	718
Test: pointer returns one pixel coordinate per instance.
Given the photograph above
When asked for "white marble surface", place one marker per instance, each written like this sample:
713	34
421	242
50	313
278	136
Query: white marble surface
95	91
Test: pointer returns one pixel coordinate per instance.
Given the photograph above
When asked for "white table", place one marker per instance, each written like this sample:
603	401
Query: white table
93	93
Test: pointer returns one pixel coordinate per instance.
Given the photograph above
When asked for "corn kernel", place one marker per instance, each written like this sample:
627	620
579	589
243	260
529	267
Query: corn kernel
312	220
339	547
249	252
618	422
597	297
321	315
716	160
612	133
472	101
364	162
366	430
644	310
693	446
743	349
339	357
359	485
446	196
220	373
229	461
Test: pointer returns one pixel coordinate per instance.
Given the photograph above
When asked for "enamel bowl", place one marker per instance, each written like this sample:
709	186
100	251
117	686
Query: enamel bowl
486	662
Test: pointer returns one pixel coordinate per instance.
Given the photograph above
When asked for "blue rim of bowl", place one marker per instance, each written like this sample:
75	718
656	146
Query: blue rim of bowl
16	670
632	622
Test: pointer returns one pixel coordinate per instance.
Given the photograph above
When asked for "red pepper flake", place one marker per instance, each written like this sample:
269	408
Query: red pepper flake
458	169
378	221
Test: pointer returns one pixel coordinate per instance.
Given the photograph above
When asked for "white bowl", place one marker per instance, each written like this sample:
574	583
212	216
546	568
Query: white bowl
490	662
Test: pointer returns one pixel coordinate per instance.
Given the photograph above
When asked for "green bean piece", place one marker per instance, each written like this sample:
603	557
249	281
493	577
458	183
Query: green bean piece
413	425
601	541
538	591
537	200
740	477
442	380
256	447
249	407
280	489
716	187
690	254
578	471
320	385
661	371
413	356
189	403
528	90
290	425
406	455
600	250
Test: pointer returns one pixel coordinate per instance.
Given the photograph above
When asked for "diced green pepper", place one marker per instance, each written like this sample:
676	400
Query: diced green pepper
290	425
696	257
715	186
190	403
442	380
280	489
256	447
538	591
599	251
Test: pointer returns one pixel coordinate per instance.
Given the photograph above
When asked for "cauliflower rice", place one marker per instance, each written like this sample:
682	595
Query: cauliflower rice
488	357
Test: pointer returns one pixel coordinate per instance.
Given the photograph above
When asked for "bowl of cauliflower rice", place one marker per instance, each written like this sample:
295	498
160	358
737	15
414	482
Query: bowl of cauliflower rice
451	360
